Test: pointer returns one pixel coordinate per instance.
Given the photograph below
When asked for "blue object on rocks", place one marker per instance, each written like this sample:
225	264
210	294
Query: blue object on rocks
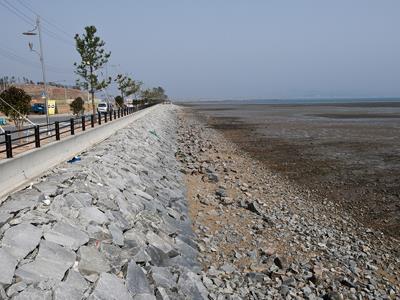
74	159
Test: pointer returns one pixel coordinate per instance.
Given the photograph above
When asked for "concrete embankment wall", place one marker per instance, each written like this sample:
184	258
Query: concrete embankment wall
19	171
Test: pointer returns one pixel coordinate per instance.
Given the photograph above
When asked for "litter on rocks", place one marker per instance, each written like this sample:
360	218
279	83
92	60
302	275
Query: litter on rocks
74	159
153	132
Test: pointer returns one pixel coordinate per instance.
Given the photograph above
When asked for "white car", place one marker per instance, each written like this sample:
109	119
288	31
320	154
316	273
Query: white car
104	107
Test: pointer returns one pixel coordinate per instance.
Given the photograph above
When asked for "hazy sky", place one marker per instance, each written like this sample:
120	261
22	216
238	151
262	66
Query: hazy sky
220	48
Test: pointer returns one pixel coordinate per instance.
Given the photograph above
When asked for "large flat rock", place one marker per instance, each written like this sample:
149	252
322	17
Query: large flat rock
66	235
117	234
136	280
51	262
89	215
73	288
4	217
110	287
34	294
21	239
7	265
92	261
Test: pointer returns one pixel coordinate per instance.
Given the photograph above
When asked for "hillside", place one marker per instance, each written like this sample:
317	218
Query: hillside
55	93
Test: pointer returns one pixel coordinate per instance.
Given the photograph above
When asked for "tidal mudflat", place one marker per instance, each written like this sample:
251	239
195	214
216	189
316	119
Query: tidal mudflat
348	153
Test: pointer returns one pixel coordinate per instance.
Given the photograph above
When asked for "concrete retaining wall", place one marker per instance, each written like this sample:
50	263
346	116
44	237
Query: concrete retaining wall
18	171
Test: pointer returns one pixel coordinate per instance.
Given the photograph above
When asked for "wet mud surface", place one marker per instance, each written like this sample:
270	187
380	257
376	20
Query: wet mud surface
346	153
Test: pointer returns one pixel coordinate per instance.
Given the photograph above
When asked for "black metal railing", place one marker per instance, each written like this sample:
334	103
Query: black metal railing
35	134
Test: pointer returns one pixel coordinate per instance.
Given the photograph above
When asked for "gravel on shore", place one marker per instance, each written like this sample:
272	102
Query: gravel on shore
260	237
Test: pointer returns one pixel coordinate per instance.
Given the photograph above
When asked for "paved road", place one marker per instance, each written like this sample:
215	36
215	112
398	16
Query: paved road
36	119
39	120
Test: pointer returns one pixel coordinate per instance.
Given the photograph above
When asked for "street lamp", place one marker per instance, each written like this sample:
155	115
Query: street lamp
41	56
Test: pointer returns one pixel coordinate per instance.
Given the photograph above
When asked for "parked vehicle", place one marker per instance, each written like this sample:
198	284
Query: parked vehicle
39	108
104	107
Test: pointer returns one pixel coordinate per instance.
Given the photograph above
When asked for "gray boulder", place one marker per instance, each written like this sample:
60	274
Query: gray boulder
73	288
51	262
136	280
8	264
92	214
110	287
21	239
34	294
117	234
92	261
66	235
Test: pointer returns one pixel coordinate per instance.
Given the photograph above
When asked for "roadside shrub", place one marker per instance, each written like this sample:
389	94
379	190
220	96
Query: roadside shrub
119	101
77	106
15	104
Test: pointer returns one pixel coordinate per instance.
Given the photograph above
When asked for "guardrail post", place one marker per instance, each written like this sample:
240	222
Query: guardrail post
92	121
83	123
115	114
37	136
8	143
105	117
57	127
110	115
99	117
72	126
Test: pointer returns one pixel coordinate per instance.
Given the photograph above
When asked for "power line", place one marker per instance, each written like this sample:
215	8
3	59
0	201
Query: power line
49	32
28	7
15	12
12	56
20	14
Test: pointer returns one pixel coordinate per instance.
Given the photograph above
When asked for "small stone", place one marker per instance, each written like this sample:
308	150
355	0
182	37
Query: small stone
280	262
221	192
253	207
284	290
333	296
289	282
228	268
212	177
306	290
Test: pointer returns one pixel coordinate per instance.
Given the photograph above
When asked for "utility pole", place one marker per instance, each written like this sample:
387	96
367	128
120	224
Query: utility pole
41	56
43	70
